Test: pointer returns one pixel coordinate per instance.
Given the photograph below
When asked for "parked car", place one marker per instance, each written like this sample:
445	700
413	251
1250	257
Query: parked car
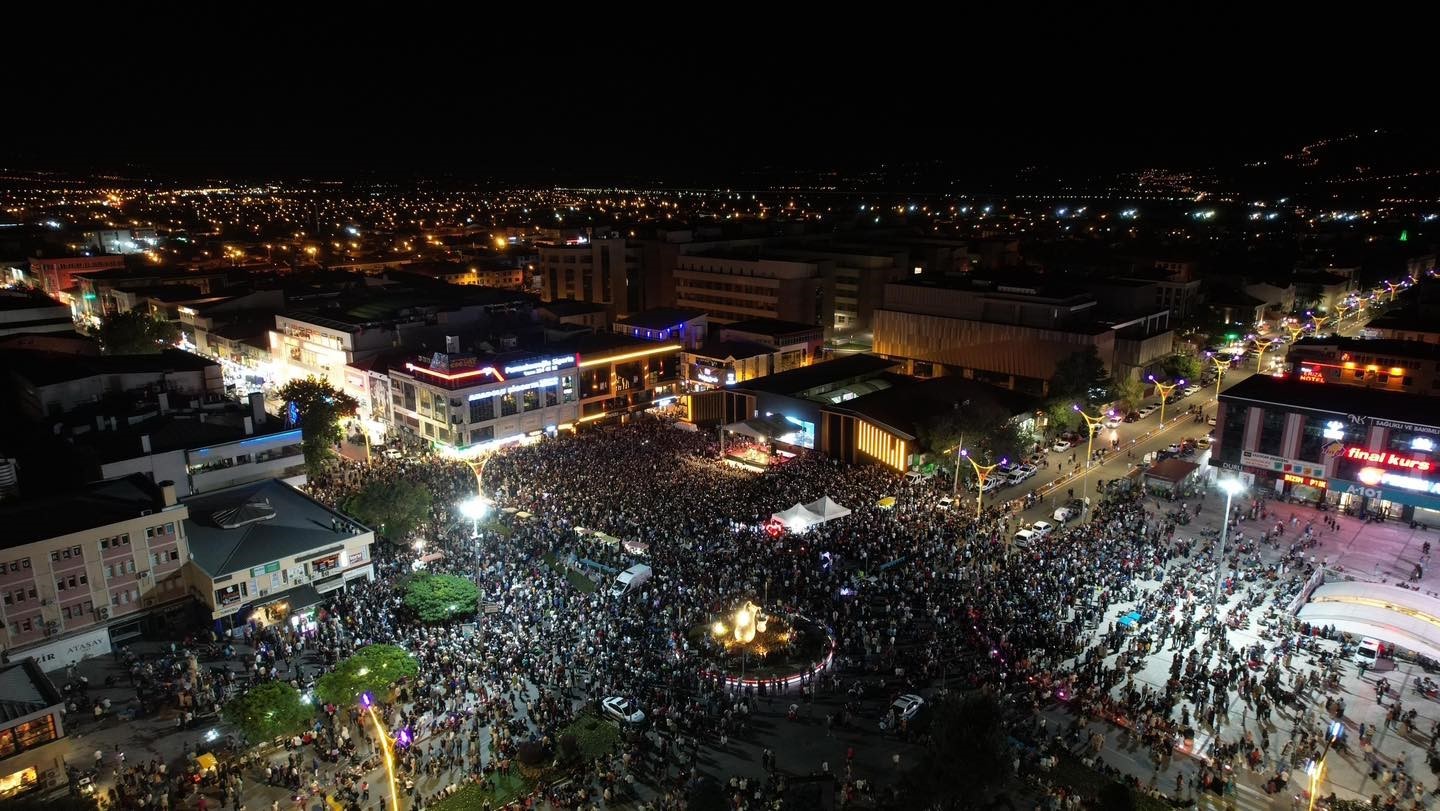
622	709
1210	421
1020	473
1114	421
1133	416
1189	390
1174	447
1023	538
1146	411
1061	446
945	502
1202	443
1042	528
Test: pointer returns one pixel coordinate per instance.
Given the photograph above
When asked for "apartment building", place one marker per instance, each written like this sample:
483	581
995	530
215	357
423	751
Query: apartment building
1393	365
743	283
32	730
600	271
105	558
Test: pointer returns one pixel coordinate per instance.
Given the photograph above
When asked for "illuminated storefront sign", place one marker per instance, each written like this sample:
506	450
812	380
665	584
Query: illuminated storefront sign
1311	376
1389	459
707	375
518	387
1334	429
1280	464
1308	481
539	366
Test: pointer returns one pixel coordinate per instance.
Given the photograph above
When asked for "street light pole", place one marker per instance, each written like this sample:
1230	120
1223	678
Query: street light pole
1231	487
1092	424
955	492
982	472
1164	389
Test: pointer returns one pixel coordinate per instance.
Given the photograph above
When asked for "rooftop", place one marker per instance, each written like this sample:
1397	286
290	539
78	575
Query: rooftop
1331	399
1171	470
98	504
561	308
49	368
26	300
1020	283
796	382
773	327
1406	320
660	317
170	432
299	525
739	350
25	690
1383	346
908	403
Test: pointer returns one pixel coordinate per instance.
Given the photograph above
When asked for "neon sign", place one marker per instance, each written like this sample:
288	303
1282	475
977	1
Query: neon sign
1308	481
518	387
1311	376
1389	459
1373	476
1334	429
539	366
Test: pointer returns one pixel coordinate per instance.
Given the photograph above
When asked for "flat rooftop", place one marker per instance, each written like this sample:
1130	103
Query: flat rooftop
1334	398
907	404
773	327
660	317
49	368
299	524
796	382
96	505
26	300
1385	346
172	432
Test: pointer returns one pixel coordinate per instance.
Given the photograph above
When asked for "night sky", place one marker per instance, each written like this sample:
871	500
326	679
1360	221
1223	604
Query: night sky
303	106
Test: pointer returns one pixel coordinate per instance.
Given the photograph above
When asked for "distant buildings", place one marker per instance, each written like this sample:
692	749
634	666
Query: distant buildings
1390	364
30	311
55	275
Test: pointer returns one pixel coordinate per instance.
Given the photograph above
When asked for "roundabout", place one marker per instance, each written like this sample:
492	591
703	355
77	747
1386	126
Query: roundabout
752	646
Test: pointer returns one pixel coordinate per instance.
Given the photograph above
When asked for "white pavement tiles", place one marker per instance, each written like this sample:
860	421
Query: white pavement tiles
1357	550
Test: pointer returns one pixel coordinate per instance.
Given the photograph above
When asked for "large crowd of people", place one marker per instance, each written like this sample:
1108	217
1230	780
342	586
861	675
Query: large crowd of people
914	595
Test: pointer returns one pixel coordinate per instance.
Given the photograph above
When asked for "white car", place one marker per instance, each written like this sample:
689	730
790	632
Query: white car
1148	410
1023	538
1042	528
1060	446
1173	447
622	710
945	502
1113	422
906	707
1191	389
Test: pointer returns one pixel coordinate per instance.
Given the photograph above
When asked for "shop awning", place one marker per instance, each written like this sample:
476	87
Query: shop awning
295	599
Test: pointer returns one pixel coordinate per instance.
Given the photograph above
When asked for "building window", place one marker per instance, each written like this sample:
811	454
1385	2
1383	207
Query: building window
54	557
482	409
1312	438
174	554
1272	432
60	584
507	405
104	543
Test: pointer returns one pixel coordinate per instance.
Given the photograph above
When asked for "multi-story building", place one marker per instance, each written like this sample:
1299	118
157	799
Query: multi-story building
55	275
1412	366
746	350
30	311
97	288
1011	333
459	400
854	281
1322	290
737	284
32	730
98	562
1358	449
267	552
201	449
600	271
123	240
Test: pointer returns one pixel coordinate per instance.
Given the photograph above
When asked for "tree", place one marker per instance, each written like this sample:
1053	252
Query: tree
394	509
988	431
1081	377
1062	416
1129	393
320	407
268	711
1181	367
968	750
373	669
439	597
135	333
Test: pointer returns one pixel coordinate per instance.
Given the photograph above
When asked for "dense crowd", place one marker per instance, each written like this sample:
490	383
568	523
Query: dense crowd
914	595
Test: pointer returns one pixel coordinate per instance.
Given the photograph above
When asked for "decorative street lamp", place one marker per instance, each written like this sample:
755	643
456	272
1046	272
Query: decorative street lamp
367	701
1231	487
1092	424
1164	389
982	472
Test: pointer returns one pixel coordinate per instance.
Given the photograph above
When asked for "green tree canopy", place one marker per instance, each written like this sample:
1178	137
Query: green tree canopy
321	408
268	711
439	597
393	509
135	333
1129	393
985	429
1081	377
373	669
968	751
1062	416
1177	367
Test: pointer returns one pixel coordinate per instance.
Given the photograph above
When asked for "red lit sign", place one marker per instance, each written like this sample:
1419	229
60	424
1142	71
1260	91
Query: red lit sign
1311	376
1389	459
1308	481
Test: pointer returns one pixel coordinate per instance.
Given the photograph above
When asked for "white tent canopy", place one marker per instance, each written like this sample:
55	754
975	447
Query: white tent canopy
1398	616
827	508
797	518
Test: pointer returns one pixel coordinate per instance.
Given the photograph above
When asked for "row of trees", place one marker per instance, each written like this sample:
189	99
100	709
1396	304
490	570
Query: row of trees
275	708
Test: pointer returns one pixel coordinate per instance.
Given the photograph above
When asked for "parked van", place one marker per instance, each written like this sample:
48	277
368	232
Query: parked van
630	580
